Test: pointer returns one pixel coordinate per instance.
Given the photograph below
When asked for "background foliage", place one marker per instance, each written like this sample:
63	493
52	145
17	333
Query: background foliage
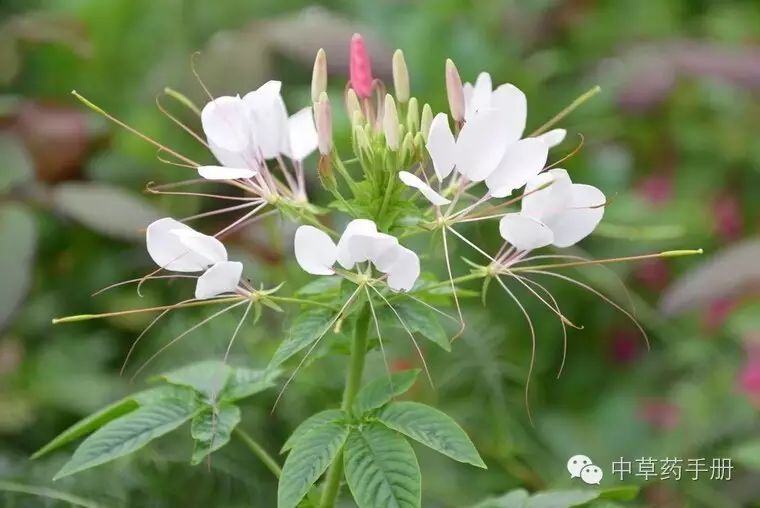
672	138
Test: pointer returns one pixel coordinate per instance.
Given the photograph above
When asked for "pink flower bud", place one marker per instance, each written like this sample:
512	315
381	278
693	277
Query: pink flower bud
454	91
319	75
360	67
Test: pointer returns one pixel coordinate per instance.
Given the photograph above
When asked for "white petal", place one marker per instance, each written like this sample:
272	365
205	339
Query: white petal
205	246
232	159
225	173
221	278
302	137
315	250
467	90
513	105
480	98
225	123
547	194
269	117
553	137
522	161
580	218
374	247
414	181
480	146
404	271
441	146
166	247
357	226
525	233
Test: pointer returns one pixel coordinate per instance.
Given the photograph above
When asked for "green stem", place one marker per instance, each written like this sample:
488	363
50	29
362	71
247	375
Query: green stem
569	109
259	451
353	383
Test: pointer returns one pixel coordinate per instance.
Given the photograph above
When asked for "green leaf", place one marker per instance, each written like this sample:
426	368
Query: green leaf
382	390
321	286
381	469
306	329
314	421
420	319
17	165
512	499
561	498
212	428
432	428
207	378
113	411
89	424
306	462
18	242
620	493
104	208
128	434
244	382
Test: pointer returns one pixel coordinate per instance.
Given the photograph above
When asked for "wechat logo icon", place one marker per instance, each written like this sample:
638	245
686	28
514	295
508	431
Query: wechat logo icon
580	466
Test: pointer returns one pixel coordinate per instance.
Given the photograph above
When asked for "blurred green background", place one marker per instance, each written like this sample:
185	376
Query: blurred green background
672	138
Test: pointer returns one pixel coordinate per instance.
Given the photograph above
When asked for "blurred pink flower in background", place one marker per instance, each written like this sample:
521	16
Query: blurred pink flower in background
727	216
717	312
749	377
659	413
657	189
626	346
653	274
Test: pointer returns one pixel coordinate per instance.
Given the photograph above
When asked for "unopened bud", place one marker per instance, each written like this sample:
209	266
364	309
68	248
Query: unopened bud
407	146
427	121
413	115
454	91
358	119
323	120
390	123
361	139
352	105
360	67
319	75
419	143
325	172
400	77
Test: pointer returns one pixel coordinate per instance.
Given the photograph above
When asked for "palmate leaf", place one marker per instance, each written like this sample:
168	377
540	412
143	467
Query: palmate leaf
113	411
432	428
129	433
314	421
244	382
381	469
306	329
307	461
207	378
419	319
382	390
212	428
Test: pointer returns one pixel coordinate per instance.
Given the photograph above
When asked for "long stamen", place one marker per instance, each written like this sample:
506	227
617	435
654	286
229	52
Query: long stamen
134	131
665	254
132	281
377	329
182	99
221	211
86	317
409	332
179	123
569	109
183	334
241	219
453	287
532	345
465	240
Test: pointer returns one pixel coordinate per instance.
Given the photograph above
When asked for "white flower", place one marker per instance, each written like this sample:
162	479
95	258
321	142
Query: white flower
427	191
561	214
243	131
316	253
179	248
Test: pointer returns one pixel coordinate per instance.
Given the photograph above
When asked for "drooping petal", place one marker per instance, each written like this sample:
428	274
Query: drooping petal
580	218
427	191
221	278
373	247
525	233
226	125
302	138
165	239
480	98
441	146
522	161
480	146
315	250
208	247
404	271
225	173
269	117
513	105
547	194
553	137
355	227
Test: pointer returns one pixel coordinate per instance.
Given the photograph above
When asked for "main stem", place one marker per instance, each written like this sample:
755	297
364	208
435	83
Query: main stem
353	384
